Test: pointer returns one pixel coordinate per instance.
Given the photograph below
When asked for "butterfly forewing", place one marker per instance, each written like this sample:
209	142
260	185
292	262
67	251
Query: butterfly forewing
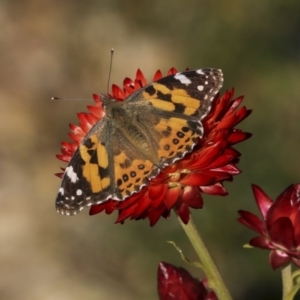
137	137
188	93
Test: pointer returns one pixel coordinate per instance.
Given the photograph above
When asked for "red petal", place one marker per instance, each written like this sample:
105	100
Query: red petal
97	98
228	169
260	242
262	200
157	199
231	119
282	233
172	196
108	206
157	193
295	202
283	206
238	136
75	138
111	206
75	129
192	197
95	110
217	176
172	71
141	78
133	199
184	213
69	151
126	213
297	228
278	258
68	147
205	157
91	119
118	93
155	214
84	120
137	85
216	189
218	106
223	160
142	205
128	82
252	221
60	175
158	75
96	209
235	103
128	86
196	179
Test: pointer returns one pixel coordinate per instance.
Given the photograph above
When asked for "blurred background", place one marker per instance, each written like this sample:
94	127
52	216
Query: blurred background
62	48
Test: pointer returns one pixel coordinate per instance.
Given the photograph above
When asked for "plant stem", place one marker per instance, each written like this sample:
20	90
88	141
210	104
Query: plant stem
214	278
287	282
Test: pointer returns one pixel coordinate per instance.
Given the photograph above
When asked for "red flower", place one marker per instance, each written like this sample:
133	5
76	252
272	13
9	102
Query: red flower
179	186
280	228
177	283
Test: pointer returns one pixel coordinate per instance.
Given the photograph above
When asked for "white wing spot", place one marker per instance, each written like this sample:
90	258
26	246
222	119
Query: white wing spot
72	198
71	174
183	79
200	87
61	191
200	72
206	82
79	192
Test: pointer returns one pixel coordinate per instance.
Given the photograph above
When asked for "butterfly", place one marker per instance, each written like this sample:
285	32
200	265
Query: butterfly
137	138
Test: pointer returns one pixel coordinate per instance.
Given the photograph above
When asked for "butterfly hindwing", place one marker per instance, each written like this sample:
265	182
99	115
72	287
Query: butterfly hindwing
101	170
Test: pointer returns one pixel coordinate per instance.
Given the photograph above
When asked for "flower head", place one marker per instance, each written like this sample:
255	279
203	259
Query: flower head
180	185
177	283
279	228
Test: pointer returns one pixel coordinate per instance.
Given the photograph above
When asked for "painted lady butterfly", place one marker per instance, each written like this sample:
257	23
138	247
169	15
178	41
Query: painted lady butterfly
137	137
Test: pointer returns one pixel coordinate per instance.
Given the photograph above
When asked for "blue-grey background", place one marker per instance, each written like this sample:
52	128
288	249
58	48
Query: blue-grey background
62	48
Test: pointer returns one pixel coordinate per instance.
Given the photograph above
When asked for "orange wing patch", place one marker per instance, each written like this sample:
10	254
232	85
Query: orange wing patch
95	157
177	137
166	99
130	174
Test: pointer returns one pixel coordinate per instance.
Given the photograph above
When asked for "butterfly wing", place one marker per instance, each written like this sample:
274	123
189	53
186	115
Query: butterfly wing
87	173
106	165
188	94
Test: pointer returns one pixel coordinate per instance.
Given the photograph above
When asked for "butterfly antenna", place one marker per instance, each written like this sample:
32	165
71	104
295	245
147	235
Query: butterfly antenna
71	99
110	67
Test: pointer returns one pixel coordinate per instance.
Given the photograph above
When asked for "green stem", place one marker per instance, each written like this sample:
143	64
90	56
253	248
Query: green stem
287	281
214	278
